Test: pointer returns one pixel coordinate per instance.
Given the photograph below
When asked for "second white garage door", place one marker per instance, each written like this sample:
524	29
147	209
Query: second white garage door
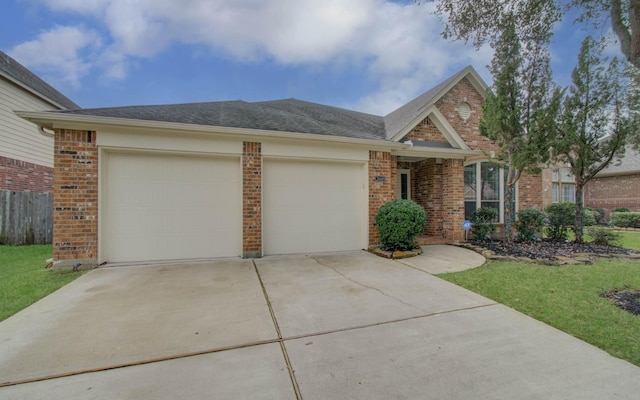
312	206
168	207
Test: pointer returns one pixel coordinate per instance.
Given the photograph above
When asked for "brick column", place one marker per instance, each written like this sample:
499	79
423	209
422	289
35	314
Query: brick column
75	198
251	200
453	199
381	190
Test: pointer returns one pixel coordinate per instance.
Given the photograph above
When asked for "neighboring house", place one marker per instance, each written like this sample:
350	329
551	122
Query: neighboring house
229	179
616	186
26	156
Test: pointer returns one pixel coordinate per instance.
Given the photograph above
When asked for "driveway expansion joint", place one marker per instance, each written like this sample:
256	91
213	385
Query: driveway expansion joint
366	286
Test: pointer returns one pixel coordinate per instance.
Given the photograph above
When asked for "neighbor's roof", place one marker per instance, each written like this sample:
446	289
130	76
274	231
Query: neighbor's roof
15	72
629	164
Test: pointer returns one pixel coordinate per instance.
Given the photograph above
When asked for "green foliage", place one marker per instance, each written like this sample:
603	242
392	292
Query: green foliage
566	298
589	217
604	236
530	222
598	214
625	219
399	223
621	209
484	219
24	279
560	217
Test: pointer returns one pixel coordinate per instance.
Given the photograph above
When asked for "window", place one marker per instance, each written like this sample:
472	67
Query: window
404	184
563	185
484	187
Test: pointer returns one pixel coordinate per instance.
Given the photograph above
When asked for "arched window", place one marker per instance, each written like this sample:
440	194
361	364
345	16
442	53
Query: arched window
484	184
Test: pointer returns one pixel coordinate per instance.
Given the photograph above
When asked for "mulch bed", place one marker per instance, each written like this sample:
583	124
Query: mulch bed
551	250
626	299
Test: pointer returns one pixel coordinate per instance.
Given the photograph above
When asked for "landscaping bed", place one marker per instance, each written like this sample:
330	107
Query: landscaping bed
546	251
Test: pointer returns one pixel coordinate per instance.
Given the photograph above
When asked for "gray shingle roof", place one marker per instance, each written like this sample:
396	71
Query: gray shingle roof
629	164
14	70
288	115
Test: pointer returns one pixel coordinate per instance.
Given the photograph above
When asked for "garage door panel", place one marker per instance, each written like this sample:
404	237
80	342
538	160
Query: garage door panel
161	207
312	206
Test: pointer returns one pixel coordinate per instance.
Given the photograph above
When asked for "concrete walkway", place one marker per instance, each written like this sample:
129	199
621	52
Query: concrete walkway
338	326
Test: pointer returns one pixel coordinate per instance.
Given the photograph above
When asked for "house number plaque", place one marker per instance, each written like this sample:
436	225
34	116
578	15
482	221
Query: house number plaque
380	178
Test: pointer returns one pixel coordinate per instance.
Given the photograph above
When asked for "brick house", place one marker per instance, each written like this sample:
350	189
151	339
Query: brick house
616	186
229	179
26	156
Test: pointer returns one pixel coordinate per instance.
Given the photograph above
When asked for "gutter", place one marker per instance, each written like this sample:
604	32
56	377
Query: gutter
52	120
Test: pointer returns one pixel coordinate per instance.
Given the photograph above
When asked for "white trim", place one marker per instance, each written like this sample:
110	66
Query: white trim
440	122
95	123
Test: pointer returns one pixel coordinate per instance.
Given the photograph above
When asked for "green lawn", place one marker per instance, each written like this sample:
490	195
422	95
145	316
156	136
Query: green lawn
630	240
566	297
24	279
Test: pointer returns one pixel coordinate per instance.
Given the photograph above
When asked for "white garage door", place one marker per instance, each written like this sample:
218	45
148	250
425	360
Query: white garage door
312	206
167	207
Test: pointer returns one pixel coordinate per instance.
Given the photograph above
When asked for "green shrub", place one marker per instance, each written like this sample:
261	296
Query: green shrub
484	222
399	223
604	236
621	209
625	219
599	214
589	217
560	216
530	221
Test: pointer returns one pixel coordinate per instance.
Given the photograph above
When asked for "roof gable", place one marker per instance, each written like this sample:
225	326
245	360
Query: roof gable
400	122
16	73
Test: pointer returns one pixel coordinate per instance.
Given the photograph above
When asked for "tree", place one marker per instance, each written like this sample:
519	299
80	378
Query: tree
478	21
520	110
596	119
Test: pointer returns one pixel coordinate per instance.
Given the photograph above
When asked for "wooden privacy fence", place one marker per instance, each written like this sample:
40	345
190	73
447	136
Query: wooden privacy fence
26	218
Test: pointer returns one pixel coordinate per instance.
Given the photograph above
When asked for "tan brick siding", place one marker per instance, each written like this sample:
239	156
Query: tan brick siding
252	199
381	164
75	197
530	192
426	131
22	176
613	192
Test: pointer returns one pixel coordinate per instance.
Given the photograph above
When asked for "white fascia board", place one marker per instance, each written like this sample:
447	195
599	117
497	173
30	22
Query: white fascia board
441	123
95	123
435	152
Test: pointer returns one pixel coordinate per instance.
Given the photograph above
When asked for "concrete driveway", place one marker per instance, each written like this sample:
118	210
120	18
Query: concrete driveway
338	326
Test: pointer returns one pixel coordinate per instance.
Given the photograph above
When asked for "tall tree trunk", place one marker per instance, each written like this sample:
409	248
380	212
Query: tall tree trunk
578	226
509	212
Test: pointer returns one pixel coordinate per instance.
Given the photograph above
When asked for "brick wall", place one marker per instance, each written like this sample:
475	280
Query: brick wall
252	200
22	176
75	198
530	193
612	192
426	131
381	164
453	199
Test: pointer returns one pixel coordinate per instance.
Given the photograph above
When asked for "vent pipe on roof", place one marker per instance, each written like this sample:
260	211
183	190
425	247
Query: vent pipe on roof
45	132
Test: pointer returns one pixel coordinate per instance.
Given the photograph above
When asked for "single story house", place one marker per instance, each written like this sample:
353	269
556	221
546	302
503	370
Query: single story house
26	157
238	179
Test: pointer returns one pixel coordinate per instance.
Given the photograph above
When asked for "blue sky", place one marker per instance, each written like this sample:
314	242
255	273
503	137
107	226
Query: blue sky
365	55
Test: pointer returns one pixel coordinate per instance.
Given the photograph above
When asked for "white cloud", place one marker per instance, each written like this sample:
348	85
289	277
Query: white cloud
59	52
398	46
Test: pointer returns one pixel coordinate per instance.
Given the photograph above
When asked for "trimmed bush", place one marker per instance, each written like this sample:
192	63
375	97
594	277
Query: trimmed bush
621	209
399	223
589	217
604	236
625	219
484	222
599	214
530	221
560	216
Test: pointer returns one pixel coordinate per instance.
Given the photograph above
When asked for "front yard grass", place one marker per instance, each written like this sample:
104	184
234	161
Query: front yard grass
630	240
24	278
566	297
